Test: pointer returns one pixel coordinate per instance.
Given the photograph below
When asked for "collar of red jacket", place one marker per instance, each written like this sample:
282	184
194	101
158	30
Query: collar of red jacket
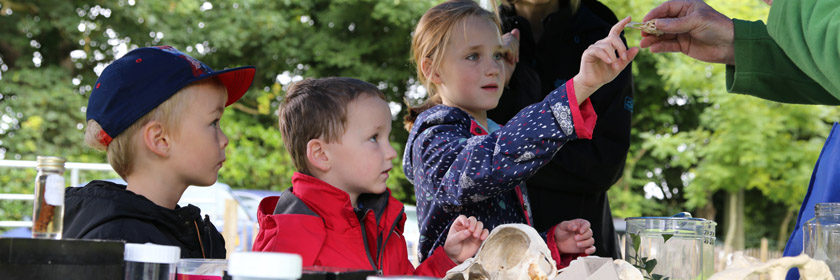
316	192
331	202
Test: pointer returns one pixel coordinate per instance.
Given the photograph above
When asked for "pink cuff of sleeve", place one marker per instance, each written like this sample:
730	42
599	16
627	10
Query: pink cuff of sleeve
562	259
584	116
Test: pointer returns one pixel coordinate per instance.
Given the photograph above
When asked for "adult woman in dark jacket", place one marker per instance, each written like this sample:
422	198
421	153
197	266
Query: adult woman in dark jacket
553	36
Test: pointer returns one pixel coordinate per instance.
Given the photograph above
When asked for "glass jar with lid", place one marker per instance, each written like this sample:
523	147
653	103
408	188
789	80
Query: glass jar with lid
677	247
48	209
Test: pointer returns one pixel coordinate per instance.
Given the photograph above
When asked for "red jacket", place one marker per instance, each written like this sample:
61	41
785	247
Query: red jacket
316	220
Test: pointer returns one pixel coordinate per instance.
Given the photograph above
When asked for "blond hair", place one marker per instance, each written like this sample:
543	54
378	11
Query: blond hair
431	36
317	108
121	149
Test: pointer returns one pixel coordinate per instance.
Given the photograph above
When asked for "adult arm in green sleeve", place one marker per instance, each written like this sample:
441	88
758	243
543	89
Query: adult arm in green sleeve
809	33
762	69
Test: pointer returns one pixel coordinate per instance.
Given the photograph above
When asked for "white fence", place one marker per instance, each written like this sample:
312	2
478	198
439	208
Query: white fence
72	167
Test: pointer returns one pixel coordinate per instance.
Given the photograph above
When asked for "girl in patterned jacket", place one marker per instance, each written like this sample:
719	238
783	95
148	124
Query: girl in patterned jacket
461	162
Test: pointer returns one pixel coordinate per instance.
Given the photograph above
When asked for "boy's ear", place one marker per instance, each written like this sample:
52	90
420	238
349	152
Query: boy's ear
155	138
317	155
426	67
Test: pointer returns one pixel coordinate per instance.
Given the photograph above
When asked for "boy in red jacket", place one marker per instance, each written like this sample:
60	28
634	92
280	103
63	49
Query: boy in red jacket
339	211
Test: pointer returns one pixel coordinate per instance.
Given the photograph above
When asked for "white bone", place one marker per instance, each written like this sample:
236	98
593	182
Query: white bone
742	267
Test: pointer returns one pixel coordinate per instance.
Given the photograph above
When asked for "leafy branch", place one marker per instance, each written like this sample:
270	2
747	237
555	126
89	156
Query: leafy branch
646	265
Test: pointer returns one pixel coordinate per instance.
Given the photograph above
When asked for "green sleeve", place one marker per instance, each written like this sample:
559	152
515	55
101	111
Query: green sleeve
809	33
763	70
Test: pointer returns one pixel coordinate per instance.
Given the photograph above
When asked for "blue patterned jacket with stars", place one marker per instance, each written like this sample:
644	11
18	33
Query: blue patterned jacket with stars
459	168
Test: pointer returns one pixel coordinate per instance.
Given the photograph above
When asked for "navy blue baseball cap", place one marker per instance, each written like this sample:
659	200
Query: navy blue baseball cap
135	84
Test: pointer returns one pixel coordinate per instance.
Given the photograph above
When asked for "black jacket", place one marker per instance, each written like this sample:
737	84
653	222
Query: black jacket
575	183
105	210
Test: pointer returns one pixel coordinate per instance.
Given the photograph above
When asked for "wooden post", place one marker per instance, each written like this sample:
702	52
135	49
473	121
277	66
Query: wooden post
763	256
229	229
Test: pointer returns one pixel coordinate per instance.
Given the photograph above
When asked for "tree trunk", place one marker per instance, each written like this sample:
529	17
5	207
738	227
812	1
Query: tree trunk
708	211
734	221
783	230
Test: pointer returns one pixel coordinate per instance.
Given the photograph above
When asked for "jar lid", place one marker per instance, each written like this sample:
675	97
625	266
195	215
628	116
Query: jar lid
827	208
694	220
265	265
682	216
152	253
49	161
681	223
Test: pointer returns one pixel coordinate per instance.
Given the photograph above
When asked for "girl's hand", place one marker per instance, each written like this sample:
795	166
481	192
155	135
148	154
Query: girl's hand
510	43
464	239
600	64
574	236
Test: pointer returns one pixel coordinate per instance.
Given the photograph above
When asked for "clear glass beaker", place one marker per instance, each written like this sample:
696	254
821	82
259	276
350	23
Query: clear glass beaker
821	236
678	247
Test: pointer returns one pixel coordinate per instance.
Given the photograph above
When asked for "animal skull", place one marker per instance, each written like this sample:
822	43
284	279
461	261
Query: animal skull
512	251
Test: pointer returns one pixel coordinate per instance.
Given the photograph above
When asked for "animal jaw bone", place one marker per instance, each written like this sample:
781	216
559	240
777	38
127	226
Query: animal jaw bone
809	269
512	251
647	27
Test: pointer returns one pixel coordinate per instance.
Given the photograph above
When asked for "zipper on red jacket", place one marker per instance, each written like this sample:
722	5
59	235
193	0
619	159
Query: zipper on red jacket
365	242
393	225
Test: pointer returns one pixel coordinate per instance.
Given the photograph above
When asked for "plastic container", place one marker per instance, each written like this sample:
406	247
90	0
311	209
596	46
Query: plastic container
201	269
821	236
264	266
682	246
150	261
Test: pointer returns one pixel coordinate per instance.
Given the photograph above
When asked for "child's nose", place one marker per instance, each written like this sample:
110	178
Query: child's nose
494	68
224	139
390	152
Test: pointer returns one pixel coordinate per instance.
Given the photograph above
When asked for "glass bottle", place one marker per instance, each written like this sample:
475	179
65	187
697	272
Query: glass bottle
821	236
48	211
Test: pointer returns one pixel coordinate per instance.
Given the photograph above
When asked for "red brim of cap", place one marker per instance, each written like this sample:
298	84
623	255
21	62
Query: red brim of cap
237	81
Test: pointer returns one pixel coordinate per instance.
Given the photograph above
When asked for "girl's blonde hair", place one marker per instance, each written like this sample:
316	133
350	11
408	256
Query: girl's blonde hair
121	149
430	39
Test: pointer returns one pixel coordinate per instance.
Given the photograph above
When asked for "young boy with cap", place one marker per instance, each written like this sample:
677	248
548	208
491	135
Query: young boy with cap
339	211
156	112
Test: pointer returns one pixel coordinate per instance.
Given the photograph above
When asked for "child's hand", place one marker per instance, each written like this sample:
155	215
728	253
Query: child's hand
464	239
600	65
510	42
574	236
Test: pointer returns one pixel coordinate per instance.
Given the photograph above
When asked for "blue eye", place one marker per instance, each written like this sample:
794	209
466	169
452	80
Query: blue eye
472	57
498	56
215	123
373	138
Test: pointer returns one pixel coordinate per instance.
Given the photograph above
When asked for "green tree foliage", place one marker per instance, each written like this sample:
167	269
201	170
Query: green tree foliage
51	52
